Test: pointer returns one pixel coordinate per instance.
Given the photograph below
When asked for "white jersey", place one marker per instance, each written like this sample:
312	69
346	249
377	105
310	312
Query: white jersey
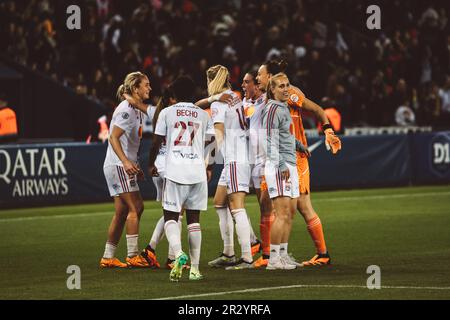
253	112
129	120
185	127
160	162
235	144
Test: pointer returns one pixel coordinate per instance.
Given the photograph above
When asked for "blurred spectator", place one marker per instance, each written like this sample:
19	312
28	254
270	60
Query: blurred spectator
8	122
444	95
404	116
333	115
368	73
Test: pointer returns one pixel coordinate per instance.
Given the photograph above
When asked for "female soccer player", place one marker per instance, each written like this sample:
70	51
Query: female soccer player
231	136
297	100
122	171
280	166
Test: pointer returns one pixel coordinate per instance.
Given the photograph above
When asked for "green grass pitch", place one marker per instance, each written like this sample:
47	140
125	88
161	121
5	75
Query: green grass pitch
404	231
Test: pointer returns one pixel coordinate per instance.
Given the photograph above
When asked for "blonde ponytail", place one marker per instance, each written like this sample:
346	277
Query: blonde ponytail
218	79
132	80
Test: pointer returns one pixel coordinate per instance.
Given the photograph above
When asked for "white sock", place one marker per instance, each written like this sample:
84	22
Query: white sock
274	252
132	245
283	249
195	242
170	254
229	244
243	232
158	233
173	236
253	237
110	250
227	236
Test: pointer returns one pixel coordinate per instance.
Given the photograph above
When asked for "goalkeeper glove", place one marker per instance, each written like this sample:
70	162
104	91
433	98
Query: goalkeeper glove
332	141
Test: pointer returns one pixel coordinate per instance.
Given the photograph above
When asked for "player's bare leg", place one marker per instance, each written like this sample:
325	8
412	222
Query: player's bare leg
283	210
135	206
114	233
226	226
315	229
284	254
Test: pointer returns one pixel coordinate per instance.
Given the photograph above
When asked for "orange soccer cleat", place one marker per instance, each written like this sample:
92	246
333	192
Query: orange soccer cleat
112	263
318	260
256	247
150	255
138	262
261	262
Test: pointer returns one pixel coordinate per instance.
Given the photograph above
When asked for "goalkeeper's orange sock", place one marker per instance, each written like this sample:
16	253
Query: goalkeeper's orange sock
264	229
316	231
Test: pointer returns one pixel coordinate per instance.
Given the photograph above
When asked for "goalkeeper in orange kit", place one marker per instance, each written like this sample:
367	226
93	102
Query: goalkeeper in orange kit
298	101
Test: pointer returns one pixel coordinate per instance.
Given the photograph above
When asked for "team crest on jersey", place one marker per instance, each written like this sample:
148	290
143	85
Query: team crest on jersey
294	98
125	115
115	186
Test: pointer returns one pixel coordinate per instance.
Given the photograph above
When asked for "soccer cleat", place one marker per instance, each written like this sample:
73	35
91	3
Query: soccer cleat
241	264
149	255
138	262
256	247
223	261
195	275
177	270
261	262
112	263
318	260
170	263
288	259
279	264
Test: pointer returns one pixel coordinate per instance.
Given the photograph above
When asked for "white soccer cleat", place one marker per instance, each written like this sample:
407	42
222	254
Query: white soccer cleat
288	259
279	264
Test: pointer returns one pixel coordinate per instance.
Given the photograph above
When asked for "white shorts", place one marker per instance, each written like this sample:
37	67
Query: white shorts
257	172
158	182
119	181
188	196
236	177
279	187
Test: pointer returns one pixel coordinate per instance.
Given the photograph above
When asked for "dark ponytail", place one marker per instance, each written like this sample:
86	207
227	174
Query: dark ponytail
276	66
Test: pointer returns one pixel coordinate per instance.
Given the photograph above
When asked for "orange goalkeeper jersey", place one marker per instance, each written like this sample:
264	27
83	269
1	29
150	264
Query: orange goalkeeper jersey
295	102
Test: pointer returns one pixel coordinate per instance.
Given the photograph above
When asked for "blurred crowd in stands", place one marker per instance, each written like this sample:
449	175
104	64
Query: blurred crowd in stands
396	75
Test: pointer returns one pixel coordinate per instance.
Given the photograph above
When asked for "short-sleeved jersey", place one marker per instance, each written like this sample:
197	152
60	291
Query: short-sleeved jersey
129	119
185	127
235	144
295	102
160	162
253	112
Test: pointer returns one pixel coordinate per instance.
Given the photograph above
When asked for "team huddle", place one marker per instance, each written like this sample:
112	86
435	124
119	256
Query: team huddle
263	145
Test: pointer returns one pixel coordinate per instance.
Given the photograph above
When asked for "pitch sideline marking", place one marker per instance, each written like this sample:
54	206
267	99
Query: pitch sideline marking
293	287
372	197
